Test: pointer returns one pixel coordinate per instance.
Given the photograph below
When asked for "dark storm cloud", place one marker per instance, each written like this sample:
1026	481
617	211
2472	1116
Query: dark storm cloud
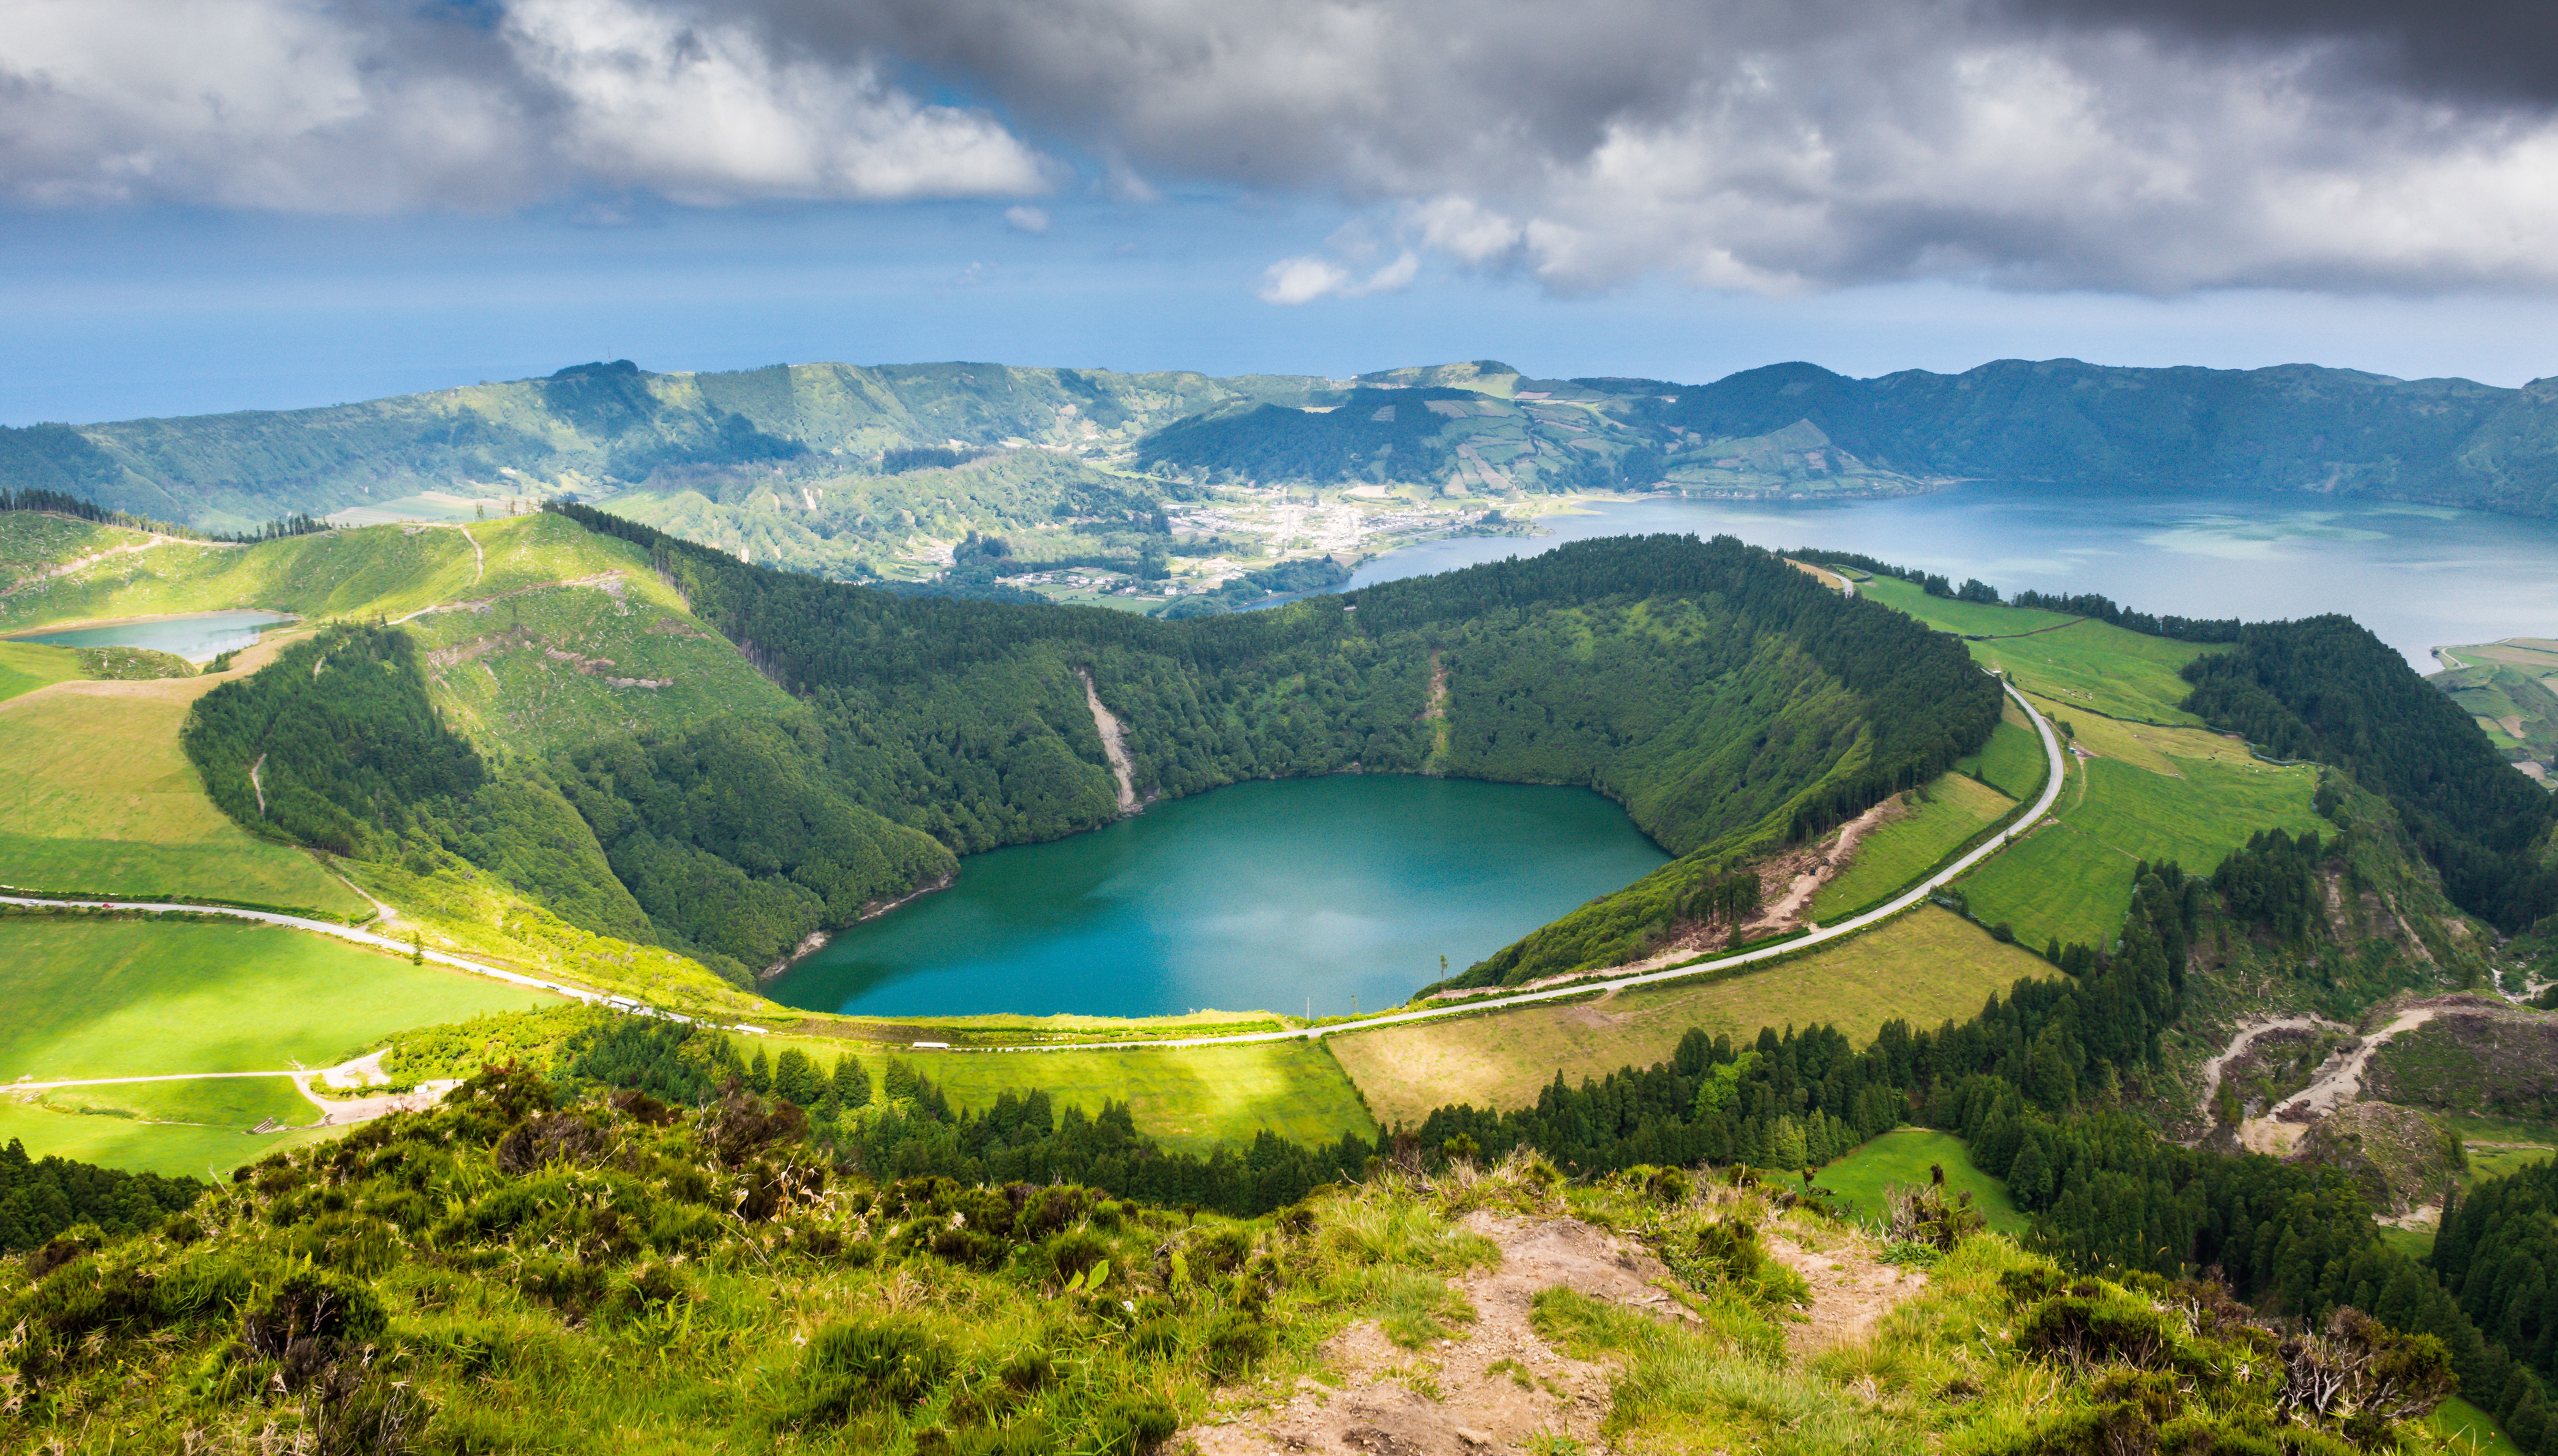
1753	144
2477	49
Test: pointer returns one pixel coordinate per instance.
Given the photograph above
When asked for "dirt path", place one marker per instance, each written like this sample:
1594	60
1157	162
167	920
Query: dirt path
1114	745
1478	1408
1780	914
2245	1037
1851	1290
2338	1082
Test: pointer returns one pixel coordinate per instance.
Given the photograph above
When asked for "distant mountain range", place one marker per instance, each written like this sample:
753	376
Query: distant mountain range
1481	427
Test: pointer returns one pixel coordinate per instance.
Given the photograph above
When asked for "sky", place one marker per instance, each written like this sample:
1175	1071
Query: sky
237	204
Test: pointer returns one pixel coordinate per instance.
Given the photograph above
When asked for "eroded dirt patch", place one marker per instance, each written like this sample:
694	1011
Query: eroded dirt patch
1386	1405
1852	1290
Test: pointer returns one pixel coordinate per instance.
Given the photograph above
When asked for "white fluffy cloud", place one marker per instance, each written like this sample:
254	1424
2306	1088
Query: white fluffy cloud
332	108
1771	145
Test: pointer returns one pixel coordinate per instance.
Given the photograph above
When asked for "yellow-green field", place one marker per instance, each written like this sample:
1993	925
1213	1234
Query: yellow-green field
83	999
28	666
1906	1155
98	797
1189	1098
1937	819
1926	967
1965	619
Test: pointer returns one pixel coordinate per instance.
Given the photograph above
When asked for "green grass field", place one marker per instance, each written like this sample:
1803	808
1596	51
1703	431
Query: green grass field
173	1150
1904	1155
2074	879
1190	1099
28	666
1965	619
2472	1431
2012	761
99	797
1954	810
83	999
2101	669
1925	967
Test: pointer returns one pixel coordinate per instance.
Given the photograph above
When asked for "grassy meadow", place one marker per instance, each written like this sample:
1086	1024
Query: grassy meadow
100	798
2471	1431
2073	879
1904	1155
1925	968
182	1149
28	666
1190	1099
2012	761
83	997
1963	619
1937	819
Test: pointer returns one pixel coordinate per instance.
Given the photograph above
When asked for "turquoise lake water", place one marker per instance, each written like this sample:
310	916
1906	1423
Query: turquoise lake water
197	638
1255	897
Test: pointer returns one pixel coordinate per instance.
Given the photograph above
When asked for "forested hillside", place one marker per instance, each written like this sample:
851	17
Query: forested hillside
1727	700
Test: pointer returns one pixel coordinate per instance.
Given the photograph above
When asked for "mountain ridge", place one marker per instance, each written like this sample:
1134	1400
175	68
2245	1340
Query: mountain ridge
593	428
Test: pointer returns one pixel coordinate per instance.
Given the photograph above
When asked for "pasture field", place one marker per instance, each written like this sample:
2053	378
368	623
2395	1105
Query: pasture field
83	997
1189	1098
2080	662
98	797
2471	1431
2097	667
234	1103
1904	1155
2012	761
173	1150
1963	619
2146	745
1925	968
1952	810
2073	879
28	666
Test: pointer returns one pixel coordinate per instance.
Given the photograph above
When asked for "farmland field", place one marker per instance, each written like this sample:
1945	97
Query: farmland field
2012	761
99	799
1904	1155
27	665
83	999
2072	880
1963	619
1954	810
1925	968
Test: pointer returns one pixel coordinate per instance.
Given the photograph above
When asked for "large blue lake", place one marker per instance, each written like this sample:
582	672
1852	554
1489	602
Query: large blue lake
1267	896
2420	576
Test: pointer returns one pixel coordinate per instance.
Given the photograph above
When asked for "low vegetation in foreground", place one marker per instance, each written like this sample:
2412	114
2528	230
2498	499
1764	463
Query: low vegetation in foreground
517	1272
